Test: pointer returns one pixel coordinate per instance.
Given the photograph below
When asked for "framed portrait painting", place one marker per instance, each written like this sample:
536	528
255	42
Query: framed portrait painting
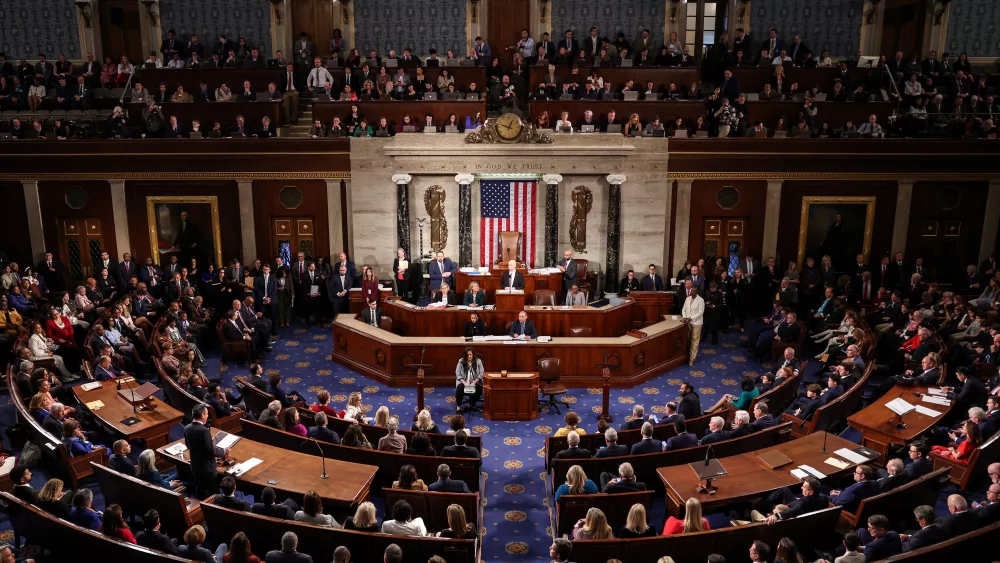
838	227
186	227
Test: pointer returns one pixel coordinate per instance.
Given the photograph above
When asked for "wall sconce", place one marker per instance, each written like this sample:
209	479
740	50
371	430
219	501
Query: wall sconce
277	10
743	11
149	4
475	10
86	11
940	7
673	10
347	15
543	5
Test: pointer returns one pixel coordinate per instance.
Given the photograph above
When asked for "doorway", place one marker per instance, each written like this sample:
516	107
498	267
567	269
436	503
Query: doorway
724	237
121	31
291	235
505	21
81	243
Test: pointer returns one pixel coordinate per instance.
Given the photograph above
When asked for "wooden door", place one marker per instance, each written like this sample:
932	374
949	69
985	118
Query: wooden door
904	28
505	21
291	235
315	17
121	30
725	237
81	242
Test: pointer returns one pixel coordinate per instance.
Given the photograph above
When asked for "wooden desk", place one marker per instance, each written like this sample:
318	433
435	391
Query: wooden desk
191	78
296	473
510	397
877	423
394	110
209	112
606	321
384	356
357	305
463	75
153	426
753	79
748	478
491	283
651	306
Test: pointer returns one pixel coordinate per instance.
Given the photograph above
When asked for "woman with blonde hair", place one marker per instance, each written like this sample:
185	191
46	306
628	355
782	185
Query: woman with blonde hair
458	526
576	484
425	424
354	410
572	425
381	417
634	126
363	520
693	521
50	499
593	527
635	524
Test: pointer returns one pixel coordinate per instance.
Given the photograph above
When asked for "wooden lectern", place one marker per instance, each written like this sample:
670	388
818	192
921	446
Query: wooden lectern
509	301
652	305
510	396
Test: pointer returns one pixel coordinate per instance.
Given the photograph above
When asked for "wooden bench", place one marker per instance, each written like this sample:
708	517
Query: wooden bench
319	542
373	433
232	348
254	399
69	542
778	346
645	465
832	414
433	507
53	450
177	512
815	530
627	438
962	474
959	548
571	508
898	504
388	463
180	399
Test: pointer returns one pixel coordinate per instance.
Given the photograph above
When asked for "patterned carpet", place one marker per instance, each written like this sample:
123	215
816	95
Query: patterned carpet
517	526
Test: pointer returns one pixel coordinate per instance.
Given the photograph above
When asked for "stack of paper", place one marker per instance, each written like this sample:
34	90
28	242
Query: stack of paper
927	412
937	391
935	400
545	339
812	471
852	456
839	464
467	270
91	386
228	441
899	406
241	468
94	405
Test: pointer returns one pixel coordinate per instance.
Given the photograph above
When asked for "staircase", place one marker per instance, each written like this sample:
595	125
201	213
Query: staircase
305	119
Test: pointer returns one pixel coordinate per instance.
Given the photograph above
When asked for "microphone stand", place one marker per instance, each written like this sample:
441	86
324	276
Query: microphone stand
131	390
322	455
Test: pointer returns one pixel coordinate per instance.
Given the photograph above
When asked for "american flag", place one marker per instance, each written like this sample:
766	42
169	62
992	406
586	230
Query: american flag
507	205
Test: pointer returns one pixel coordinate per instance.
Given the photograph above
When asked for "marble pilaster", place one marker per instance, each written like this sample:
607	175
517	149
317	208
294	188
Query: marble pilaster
614	232
334	217
121	218
402	182
682	224
900	226
464	182
34	207
248	231
771	215
551	217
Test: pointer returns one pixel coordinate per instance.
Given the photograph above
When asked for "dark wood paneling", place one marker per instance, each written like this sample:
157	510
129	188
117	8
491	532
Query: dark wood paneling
138	230
52	195
121	31
751	205
904	28
16	241
505	21
267	206
945	255
792	193
315	17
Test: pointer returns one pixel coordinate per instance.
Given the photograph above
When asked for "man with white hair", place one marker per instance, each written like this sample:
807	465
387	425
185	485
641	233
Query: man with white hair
393	441
288	553
624	483
637	419
741	426
54	421
892	476
961	521
574	450
715	431
270	415
989	511
613	448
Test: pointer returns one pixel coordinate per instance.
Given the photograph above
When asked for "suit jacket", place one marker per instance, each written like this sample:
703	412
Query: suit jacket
741	430
891	482
54	427
765	422
231	332
805	505
573	453
918	468
647	446
988	514
518	282
275	556
447	485
649	284
124	271
612	451
367	315
334	286
529	329
198	439
681	441
928	535
712	437
232	502
851	497
156	540
624	487
690	406
281	511
464	451
436	270
121	464
960	523
884	547
323	434
569	276
634	424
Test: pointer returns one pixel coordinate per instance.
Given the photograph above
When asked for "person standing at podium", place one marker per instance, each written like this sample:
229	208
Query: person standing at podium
654	281
568	267
522	328
512	279
468	373
203	452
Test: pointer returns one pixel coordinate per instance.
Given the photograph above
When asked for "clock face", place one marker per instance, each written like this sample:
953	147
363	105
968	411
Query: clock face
509	126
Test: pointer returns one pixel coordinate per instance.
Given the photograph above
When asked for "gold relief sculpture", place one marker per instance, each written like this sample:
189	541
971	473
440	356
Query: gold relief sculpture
434	199
508	128
583	200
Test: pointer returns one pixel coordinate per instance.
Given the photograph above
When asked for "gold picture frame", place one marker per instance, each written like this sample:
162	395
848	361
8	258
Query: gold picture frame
808	201
154	235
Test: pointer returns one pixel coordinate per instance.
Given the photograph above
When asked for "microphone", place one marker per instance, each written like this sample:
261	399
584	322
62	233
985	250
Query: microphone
708	454
322	455
118	387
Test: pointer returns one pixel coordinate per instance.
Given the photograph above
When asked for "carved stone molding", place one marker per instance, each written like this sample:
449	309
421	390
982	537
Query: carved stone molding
615	179
461	179
400	179
552	178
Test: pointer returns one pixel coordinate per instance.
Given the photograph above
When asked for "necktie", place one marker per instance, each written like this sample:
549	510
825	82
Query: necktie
865	295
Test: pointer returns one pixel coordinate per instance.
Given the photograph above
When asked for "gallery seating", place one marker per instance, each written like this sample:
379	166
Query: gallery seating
433	507
571	508
897	505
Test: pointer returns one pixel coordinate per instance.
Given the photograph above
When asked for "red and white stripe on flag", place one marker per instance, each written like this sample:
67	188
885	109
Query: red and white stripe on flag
507	205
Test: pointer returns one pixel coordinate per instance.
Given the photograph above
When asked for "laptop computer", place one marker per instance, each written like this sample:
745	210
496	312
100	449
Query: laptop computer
452	62
430	130
450	96
430	95
213	134
630	96
760	134
472	96
321	97
659	132
586	128
680	134
409	129
753	97
381	133
701	134
391	63
614	128
653	96
564	129
195	135
335	133
333	62
626	62
821	97
361	133
345	97
468	62
780	135
566	96
262	96
451	129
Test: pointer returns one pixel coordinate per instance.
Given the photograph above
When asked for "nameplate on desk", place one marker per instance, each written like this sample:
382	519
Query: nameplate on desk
510	292
544	339
91	386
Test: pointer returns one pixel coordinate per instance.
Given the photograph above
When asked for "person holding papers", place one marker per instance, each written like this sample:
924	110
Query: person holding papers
568	268
468	375
474	296
401	273
512	279
522	328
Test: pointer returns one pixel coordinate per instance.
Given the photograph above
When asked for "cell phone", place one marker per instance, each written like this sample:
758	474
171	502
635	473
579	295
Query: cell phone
272	482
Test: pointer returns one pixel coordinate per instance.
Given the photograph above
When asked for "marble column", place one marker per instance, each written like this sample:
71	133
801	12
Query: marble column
121	218
552	217
771	216
334	217
989	239
615	182
682	224
464	182
247	229
34	209
904	195
402	182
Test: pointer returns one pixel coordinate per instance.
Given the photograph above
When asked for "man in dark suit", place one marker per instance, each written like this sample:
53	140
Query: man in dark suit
929	533
892	476
512	278
962	520
648	444
569	269
690	404
445	484
571	45
740	426
989	511
574	450
683	439
228	497
174	289
863	487
171	46
255	377
149	274
51	271
254	60
460	449
637	419
267	506
372	314
151	536
91	71
233	331
811	501
716	427
613	448
260	328
545	43
119	460
202	452
624	483
21	477
762	419
730	86
441	270
670	416
523	328
898	272
265	291
289	553
653	281
920	464
879	540
321	432
338	287
125	270
772	45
